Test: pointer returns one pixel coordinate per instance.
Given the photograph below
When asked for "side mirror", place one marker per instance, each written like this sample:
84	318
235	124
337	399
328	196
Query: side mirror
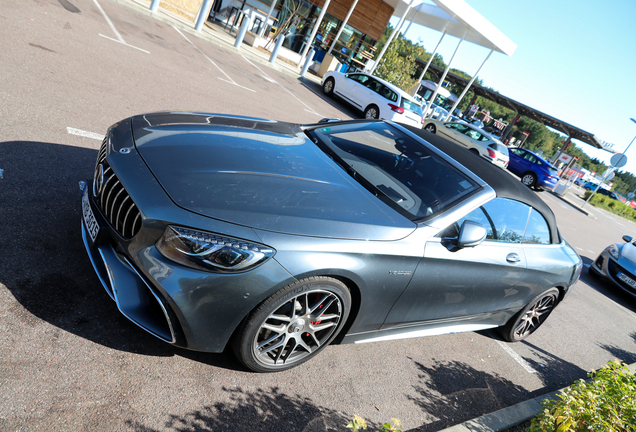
470	234
627	239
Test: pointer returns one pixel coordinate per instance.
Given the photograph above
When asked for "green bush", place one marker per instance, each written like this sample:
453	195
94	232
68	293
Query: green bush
607	403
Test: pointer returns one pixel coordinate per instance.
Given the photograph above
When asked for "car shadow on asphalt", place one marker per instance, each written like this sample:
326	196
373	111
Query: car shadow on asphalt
606	287
263	410
44	264
453	392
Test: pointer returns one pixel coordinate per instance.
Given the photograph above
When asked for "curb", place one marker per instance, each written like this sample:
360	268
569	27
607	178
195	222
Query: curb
510	416
574	205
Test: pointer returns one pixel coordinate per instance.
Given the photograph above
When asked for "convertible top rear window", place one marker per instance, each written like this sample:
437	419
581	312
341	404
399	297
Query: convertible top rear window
395	167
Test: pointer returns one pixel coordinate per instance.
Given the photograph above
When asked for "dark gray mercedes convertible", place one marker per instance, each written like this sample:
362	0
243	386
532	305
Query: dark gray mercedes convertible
273	238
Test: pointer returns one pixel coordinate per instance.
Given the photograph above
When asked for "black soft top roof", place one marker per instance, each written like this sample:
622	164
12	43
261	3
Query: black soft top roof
505	185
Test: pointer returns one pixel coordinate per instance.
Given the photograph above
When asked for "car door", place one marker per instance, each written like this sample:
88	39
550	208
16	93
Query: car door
454	132
351	87
451	284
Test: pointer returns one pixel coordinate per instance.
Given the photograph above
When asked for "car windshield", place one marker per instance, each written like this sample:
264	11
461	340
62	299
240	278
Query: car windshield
412	106
401	171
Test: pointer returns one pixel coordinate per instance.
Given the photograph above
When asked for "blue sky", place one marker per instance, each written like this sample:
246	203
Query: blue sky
575	60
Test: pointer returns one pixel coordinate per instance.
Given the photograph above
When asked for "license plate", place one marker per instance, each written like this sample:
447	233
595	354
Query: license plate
629	281
89	218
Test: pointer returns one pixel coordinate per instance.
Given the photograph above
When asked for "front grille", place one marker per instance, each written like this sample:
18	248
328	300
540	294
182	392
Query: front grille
613	269
113	199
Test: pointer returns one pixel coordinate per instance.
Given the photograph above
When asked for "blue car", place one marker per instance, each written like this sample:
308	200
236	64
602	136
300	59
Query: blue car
533	169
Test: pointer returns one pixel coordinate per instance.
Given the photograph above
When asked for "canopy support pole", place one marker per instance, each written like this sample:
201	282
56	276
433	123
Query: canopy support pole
314	31
430	60
390	39
441	81
468	86
269	14
342	26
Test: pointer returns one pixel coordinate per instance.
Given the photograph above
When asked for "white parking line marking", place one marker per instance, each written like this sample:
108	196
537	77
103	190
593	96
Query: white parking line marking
112	27
517	357
267	77
229	79
82	184
84	134
1	174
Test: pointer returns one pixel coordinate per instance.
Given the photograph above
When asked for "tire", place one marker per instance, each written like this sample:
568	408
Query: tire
372	112
328	86
430	127
287	329
529	179
528	320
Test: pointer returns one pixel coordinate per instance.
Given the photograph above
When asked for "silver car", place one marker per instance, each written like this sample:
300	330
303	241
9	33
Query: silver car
473	138
617	263
212	231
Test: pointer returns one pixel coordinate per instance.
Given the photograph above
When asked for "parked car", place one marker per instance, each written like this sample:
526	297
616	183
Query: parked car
590	186
376	98
533	169
579	181
473	138
607	193
212	231
617	264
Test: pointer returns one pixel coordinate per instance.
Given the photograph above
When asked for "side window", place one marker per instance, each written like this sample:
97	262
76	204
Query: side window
362	79
476	215
516	151
537	231
509	218
458	127
389	94
374	85
530	157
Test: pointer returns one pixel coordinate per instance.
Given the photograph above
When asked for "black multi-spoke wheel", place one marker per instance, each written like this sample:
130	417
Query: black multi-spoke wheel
531	317
293	325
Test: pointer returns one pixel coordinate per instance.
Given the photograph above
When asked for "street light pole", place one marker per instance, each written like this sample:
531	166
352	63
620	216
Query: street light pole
611	169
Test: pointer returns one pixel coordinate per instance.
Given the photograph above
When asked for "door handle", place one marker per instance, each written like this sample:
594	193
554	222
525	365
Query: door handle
513	258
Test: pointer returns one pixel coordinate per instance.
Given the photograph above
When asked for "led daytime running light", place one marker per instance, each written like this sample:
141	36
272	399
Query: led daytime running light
209	251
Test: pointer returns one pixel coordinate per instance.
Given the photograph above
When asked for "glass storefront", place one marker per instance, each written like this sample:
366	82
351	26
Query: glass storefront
353	48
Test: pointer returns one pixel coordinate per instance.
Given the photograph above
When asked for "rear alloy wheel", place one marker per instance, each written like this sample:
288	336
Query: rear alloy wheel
430	127
327	87
531	317
529	179
372	112
293	325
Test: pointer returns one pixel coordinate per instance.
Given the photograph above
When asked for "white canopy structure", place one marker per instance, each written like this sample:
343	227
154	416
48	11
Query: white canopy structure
455	18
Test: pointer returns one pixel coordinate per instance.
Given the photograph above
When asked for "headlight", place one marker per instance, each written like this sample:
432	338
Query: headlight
613	251
207	251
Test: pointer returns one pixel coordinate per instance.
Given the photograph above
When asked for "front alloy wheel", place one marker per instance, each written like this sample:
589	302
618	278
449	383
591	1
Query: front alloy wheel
529	179
293	325
372	112
531	317
327	87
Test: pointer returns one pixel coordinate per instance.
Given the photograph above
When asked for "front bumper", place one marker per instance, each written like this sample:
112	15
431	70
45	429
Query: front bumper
607	267
194	309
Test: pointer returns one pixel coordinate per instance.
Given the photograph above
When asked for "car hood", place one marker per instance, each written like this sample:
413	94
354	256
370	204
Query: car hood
628	252
263	174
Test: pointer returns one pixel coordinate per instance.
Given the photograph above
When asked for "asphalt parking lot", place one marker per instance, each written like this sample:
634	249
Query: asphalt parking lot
70	361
